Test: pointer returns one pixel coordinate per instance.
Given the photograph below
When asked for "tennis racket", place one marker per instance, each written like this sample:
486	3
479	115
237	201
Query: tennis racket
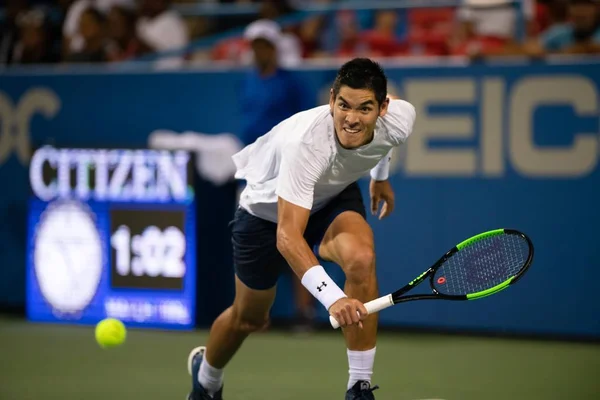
478	267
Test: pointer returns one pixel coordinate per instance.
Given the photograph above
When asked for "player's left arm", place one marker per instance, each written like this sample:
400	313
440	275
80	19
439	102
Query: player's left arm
380	189
400	119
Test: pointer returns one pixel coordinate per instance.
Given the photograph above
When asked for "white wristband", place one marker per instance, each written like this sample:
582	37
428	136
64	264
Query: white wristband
381	171
320	285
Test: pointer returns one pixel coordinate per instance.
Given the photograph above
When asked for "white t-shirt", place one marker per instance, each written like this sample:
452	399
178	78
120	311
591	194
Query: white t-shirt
301	160
166	31
500	21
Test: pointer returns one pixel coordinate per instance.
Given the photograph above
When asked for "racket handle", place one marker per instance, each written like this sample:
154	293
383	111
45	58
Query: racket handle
372	306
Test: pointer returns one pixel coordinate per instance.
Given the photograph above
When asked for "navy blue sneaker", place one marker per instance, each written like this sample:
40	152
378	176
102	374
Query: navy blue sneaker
361	390
193	365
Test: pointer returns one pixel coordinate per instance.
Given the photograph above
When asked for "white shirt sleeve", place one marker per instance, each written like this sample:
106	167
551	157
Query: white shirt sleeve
300	169
399	121
381	171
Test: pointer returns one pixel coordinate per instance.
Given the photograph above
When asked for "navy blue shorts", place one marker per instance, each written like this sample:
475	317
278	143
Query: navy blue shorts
256	260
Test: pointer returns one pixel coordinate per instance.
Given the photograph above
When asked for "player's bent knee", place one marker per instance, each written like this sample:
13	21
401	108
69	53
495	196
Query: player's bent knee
360	265
249	322
250	326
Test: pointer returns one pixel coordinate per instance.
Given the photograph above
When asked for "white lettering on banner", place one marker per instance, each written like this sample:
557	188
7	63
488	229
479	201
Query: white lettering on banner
501	125
173	311
576	160
144	175
496	149
117	183
15	121
492	146
420	159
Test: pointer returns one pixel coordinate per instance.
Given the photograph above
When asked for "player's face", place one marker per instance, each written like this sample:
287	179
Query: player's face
355	113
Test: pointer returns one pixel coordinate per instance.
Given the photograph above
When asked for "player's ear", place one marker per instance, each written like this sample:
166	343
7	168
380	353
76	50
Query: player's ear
331	98
384	107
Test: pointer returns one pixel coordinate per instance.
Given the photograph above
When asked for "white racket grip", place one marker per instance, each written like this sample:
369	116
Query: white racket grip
372	306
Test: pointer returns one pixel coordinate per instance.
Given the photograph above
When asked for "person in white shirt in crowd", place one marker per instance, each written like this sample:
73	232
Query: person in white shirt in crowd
490	25
73	40
160	28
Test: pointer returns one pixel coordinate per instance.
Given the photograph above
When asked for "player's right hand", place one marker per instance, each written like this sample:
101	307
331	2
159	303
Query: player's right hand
348	312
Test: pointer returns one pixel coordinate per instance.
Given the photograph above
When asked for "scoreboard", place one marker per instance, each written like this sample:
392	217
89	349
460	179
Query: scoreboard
111	233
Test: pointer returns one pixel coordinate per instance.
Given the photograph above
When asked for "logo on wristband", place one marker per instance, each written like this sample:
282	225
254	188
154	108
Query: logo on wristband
320	288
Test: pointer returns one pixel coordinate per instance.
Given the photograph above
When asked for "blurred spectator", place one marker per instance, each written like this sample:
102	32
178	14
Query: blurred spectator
580	35
73	40
429	30
313	31
348	31
287	46
545	15
381	41
309	33
477	28
556	13
35	45
232	49
9	30
574	29
92	27
488	26
123	42
273	9
270	94
161	29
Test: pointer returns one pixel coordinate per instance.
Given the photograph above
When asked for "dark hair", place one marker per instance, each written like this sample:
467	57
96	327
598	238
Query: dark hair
362	73
98	16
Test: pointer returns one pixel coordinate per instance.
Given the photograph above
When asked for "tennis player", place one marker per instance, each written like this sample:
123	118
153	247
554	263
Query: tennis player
301	203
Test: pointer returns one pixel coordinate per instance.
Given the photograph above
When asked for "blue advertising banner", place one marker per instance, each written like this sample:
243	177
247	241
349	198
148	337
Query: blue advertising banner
514	146
111	234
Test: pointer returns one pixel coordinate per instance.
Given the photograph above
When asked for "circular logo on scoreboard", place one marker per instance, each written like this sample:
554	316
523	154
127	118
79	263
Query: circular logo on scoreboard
67	256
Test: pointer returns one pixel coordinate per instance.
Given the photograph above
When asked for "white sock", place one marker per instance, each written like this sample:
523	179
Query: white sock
210	378
361	365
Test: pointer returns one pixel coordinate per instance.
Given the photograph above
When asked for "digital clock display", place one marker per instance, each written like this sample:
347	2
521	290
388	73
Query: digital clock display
147	250
112	234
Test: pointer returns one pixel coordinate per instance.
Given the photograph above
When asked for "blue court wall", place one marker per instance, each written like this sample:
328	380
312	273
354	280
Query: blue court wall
513	145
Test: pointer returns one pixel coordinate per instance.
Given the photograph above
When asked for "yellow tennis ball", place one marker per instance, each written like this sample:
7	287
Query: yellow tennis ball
110	332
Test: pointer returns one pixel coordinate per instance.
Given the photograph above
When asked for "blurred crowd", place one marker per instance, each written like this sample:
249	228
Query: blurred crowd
92	31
